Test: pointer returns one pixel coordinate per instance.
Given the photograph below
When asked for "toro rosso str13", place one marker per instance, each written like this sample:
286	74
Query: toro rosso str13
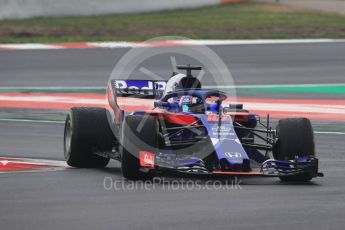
188	130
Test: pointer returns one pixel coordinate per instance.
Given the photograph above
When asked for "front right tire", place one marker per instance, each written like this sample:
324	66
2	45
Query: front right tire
139	133
295	138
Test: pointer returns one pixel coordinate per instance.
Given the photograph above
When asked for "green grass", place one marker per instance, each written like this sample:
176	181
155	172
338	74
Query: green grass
240	21
335	89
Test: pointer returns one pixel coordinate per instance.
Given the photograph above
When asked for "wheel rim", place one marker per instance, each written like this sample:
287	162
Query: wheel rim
68	139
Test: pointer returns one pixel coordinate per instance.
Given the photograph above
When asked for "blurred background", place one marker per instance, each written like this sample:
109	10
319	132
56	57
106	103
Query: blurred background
287	58
133	20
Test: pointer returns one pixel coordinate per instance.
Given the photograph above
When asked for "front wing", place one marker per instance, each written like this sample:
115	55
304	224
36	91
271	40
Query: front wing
269	168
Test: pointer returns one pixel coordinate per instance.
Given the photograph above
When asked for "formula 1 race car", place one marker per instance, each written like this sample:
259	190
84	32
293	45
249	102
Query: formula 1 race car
187	130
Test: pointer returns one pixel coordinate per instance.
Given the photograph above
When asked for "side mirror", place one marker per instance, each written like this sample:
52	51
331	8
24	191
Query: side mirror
235	106
161	104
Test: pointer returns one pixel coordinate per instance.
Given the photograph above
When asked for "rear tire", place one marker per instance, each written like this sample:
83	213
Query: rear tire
139	133
87	130
295	138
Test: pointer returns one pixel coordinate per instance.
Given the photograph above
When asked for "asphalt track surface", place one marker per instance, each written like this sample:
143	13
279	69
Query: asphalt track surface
77	198
249	64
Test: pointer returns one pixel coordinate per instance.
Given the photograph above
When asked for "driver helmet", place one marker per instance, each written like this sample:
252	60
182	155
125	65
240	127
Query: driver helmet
186	102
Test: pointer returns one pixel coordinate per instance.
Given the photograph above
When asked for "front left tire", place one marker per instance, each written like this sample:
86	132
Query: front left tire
87	130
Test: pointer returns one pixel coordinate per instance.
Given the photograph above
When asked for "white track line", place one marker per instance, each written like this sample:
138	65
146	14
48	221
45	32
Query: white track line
28	46
325	132
258	41
31	121
124	44
274	86
211	42
51	87
58	163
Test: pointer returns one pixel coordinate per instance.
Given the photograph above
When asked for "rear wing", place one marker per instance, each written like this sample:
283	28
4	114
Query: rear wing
139	88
